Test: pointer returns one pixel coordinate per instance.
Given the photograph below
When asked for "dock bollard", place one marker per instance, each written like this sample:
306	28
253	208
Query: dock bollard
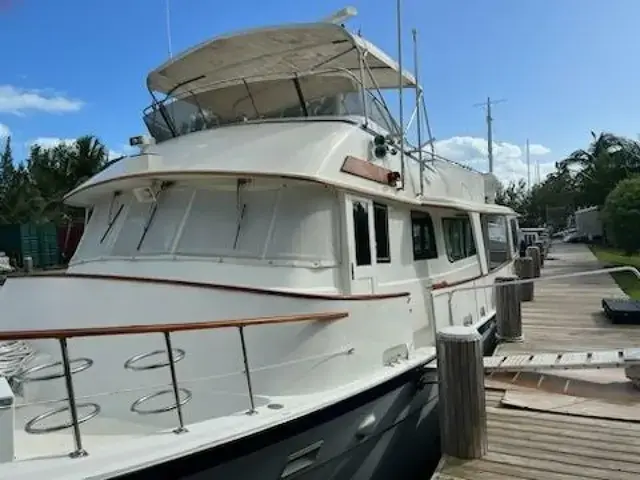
534	252
543	253
463	416
28	264
524	271
508	310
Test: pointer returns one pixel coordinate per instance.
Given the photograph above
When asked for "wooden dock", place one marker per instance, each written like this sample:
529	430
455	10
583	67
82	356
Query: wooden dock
582	424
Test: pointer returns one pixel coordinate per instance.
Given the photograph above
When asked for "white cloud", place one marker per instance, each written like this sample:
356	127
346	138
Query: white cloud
4	131
536	149
19	100
509	162
50	142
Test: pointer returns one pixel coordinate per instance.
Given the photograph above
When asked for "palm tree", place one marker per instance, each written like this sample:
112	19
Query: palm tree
597	170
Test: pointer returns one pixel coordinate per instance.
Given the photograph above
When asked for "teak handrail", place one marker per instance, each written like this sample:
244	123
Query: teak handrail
164	328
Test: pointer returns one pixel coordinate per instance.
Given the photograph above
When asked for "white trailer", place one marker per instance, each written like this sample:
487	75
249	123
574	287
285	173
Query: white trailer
588	223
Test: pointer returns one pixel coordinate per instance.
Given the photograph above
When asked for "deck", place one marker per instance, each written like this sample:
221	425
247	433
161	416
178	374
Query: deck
561	425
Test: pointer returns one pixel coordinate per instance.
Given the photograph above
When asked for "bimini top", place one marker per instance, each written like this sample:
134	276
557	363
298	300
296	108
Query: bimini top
267	53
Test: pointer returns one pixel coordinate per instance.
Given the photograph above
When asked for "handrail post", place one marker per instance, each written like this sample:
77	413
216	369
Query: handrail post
450	305
246	370
73	408
174	383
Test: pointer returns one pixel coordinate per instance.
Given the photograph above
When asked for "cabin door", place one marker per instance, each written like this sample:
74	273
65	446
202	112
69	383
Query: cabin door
360	238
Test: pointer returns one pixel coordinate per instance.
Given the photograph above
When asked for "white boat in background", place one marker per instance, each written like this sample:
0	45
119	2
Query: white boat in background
279	205
5	263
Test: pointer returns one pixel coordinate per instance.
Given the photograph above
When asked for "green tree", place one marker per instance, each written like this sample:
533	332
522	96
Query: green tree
56	171
597	170
514	195
19	200
622	215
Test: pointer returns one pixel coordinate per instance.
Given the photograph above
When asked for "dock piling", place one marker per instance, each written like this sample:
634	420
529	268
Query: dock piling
524	271
543	252
463	418
508	310
534	252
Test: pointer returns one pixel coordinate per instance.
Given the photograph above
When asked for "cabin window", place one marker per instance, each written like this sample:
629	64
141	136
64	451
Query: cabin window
498	251
381	228
163	225
263	221
361	233
277	98
458	237
268	221
424	243
103	226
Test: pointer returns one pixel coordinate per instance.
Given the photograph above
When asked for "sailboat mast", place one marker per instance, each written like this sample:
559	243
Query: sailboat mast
489	119
528	165
400	89
489	135
168	20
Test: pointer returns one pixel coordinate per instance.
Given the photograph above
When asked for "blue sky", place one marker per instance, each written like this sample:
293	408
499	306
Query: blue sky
566	67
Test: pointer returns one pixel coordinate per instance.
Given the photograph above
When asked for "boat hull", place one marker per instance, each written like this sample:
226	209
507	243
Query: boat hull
335	443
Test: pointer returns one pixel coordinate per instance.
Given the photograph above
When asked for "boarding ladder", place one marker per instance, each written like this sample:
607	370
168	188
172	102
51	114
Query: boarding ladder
536	362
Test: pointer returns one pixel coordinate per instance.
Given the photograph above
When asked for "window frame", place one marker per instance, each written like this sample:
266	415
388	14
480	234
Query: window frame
424	222
381	229
469	248
366	233
515	237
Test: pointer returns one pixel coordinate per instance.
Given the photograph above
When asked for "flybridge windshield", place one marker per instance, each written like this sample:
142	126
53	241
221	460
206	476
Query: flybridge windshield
319	95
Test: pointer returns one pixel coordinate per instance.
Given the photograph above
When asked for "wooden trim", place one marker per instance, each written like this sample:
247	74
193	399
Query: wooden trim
219	286
167	327
367	170
445	284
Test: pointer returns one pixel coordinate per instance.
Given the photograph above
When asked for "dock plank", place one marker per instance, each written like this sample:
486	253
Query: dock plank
565	316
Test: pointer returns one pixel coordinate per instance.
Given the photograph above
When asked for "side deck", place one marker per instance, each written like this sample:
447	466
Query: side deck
580	424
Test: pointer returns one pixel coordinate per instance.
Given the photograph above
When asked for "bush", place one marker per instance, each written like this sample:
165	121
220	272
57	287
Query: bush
622	215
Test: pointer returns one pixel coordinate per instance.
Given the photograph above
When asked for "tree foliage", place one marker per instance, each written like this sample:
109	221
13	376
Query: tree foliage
32	190
622	215
584	178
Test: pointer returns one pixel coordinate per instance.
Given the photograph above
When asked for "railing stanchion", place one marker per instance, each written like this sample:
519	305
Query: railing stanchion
246	370
73	408
174	383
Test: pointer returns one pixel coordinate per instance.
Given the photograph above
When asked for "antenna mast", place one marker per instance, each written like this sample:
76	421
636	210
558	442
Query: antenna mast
418	118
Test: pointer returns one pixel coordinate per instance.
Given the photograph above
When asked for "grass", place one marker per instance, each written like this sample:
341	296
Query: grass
627	281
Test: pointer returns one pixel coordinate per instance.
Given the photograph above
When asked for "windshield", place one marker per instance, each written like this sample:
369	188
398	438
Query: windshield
241	101
264	221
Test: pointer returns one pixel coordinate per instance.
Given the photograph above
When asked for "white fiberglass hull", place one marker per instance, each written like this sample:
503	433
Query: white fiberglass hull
389	431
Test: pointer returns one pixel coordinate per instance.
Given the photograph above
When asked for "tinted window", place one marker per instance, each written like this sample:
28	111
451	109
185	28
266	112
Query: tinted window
361	233
381	228
424	244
